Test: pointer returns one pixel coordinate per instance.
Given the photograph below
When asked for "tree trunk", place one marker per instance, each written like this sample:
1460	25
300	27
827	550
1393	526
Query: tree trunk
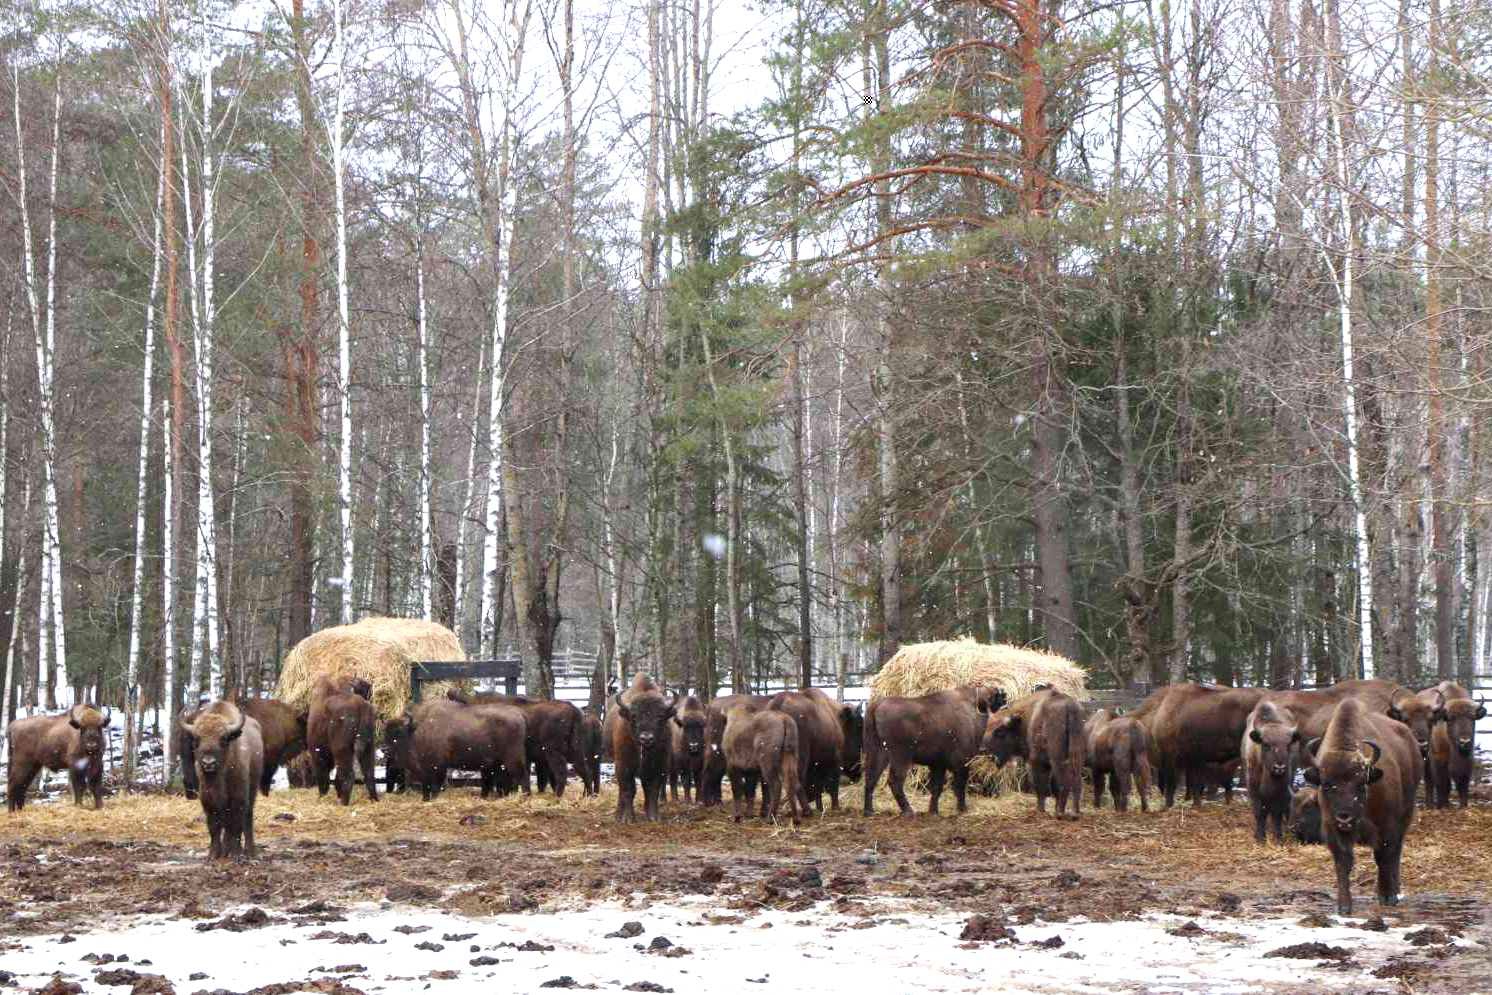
344	330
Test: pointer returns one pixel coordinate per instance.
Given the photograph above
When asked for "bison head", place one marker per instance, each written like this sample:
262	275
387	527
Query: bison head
648	717
1419	716
1461	717
693	725
1305	816
1275	741
1341	778
90	724
1003	737
213	732
990	700
852	723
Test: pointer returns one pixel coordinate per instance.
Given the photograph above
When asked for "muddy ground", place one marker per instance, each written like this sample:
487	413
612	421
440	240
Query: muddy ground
65	870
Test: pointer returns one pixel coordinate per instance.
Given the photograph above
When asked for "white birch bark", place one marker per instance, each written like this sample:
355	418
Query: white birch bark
6	713
1349	394
133	700
422	361
207	533
52	640
168	594
344	332
468	491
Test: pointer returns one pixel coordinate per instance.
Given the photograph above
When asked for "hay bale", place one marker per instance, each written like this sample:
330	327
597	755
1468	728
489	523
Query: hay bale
380	650
923	668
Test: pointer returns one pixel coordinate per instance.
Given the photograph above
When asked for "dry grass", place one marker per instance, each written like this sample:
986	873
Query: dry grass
381	650
1447	851
924	668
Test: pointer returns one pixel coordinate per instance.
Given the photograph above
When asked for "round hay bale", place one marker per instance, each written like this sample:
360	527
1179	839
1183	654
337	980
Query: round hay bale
380	650
923	668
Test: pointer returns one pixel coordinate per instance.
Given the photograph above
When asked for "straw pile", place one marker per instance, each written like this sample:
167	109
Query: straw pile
381	650
923	668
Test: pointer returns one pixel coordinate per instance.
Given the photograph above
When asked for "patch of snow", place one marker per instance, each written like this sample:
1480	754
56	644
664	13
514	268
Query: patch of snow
900	948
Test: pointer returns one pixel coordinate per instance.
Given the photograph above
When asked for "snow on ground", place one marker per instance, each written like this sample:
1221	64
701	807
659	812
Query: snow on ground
900	949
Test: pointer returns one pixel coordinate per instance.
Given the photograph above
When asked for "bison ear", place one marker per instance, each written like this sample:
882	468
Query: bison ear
1481	710
1254	735
678	721
1395	714
1439	715
1375	774
846	713
231	735
1312	776
1294	735
1310	750
621	709
74	723
1013	723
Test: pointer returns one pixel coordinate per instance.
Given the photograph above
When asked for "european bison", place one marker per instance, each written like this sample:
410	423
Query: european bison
822	723
1191	726
1305	815
764	743
339	728
556	736
1367	767
590	739
397	736
638	729
1045	728
1451	746
439	736
228	752
686	753
72	741
1119	753
709	792
284	732
1268	750
941	730
1312	709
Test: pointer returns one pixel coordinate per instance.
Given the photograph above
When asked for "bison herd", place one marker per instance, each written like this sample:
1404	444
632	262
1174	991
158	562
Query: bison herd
1362	748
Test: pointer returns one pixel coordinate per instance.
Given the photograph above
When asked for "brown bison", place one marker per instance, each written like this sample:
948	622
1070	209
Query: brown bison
637	725
301	772
283	729
1119	753
439	736
1312	709
1367	768
1451	746
686	754
590	739
1045	728
1305	815
1268	748
1191	726
941	730
709	791
72	741
228	752
822	724
340	727
763	743
556	736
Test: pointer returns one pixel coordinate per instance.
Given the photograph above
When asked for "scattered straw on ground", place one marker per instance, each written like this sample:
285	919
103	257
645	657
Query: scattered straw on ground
382	650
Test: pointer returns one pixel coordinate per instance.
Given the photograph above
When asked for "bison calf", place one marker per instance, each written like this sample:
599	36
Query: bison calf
1367	769
590	739
339	728
686	753
1045	729
764	743
1305	816
709	792
228	752
1119	753
72	741
1451	745
1268	751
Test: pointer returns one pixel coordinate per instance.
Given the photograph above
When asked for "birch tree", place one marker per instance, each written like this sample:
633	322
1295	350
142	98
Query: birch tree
344	331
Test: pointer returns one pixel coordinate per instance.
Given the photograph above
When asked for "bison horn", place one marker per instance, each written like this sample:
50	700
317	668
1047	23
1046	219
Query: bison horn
1310	751
236	727
187	727
1377	751
621	709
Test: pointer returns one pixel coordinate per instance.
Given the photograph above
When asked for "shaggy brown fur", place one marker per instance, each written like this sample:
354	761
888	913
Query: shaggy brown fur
764	743
442	736
228	752
941	730
1191	726
686	754
709	792
1451	746
822	723
638	725
284	735
1367	767
1269	747
556	737
340	728
72	741
1045	729
1119	753
590	738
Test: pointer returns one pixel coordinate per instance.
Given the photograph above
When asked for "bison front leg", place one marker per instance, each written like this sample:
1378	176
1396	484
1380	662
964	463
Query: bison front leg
1261	815
738	796
321	762
1342	857
1388	856
559	771
625	795
76	782
96	786
367	759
